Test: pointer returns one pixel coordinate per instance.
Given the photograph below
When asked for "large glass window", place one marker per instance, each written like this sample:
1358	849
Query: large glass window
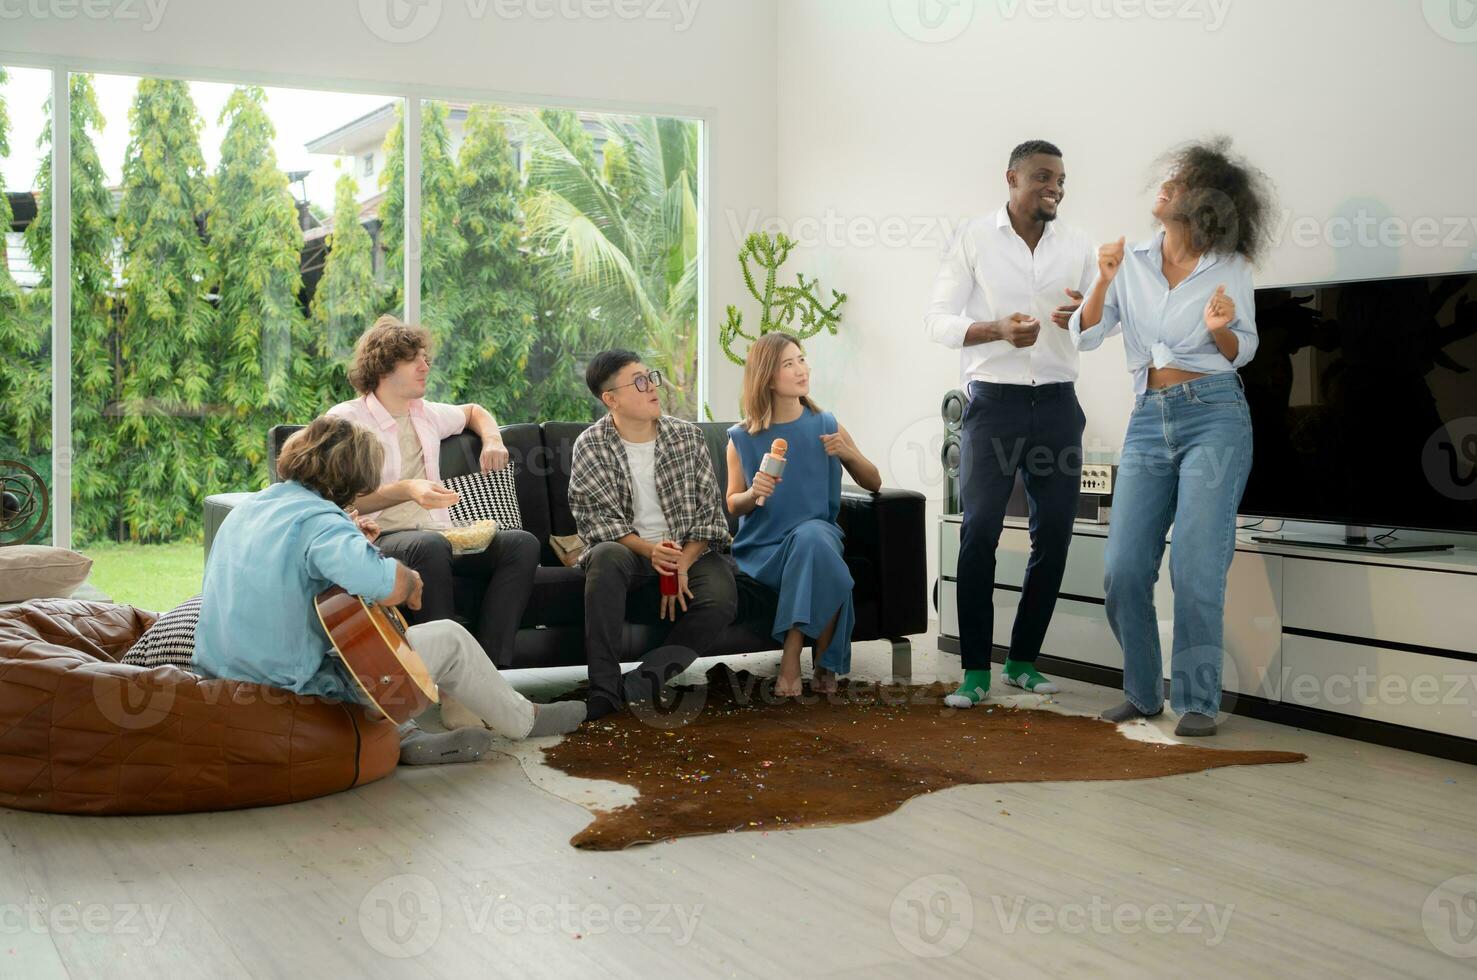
208	302
230	242
25	311
548	235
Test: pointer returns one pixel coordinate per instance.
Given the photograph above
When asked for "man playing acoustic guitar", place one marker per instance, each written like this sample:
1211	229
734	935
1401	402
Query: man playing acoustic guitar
285	545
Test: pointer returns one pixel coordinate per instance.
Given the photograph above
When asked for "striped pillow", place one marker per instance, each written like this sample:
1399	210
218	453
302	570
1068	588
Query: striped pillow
171	640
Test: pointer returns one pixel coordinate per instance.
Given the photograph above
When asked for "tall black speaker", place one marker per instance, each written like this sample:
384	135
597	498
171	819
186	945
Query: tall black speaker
953	415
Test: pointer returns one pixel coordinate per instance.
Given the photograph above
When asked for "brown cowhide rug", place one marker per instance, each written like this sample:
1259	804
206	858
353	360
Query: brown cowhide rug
730	757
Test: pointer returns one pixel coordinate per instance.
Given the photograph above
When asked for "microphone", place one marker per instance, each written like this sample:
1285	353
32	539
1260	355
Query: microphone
774	462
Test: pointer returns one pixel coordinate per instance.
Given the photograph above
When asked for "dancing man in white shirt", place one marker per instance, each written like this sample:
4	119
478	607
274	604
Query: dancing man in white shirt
1004	276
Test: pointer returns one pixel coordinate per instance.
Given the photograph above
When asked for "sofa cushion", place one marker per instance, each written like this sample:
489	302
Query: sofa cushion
37	571
171	640
560	437
459	455
715	434
525	444
488	496
558	597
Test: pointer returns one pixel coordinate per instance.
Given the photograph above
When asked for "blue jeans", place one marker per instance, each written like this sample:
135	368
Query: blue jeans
1185	461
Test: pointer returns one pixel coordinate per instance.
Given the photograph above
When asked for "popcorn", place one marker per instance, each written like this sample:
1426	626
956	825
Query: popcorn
466	537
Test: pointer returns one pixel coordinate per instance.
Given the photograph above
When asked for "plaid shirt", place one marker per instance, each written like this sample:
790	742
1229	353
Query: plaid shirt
686	487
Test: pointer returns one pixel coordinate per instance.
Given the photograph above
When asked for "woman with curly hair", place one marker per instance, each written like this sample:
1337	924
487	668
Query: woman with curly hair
1183	301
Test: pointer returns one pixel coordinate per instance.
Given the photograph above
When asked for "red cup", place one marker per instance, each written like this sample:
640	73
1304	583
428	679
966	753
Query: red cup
668	581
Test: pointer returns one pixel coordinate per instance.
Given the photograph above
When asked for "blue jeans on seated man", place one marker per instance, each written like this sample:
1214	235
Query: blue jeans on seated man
1037	430
1185	462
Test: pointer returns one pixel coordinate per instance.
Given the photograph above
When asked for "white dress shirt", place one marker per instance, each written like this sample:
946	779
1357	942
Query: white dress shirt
988	274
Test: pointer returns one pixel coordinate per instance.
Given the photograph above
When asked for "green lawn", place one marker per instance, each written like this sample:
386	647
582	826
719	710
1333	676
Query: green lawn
157	577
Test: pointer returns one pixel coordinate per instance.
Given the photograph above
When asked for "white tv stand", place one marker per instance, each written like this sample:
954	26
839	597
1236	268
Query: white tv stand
1377	647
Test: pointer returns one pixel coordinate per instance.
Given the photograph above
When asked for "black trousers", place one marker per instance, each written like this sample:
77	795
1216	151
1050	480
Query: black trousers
615	574
1035	429
506	568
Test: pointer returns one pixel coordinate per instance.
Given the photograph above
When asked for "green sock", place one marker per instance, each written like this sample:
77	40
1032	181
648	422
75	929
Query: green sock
972	689
1023	674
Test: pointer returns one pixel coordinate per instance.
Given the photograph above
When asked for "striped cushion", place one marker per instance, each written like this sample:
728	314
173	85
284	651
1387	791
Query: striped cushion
171	640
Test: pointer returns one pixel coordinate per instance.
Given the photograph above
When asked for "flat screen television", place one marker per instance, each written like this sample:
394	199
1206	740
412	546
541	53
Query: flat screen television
1363	399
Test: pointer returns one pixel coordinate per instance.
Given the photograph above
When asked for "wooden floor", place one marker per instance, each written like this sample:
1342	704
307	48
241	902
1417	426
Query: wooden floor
1329	868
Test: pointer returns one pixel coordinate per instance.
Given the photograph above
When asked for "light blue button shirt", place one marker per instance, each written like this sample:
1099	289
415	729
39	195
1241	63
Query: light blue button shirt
1165	327
272	555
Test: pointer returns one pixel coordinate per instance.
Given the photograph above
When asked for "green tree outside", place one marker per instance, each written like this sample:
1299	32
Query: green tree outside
347	299
168	323
262	347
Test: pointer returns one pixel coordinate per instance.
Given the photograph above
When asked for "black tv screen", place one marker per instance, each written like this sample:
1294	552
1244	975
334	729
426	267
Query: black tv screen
1363	399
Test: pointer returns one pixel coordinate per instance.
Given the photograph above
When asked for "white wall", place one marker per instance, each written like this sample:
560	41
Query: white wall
703	57
887	141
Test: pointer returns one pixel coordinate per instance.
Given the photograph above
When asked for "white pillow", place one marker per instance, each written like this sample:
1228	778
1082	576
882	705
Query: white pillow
36	571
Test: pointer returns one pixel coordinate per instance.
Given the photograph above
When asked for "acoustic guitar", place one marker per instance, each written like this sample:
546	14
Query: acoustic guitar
370	640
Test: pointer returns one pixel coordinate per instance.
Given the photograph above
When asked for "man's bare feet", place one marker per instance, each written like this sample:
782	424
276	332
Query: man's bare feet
823	681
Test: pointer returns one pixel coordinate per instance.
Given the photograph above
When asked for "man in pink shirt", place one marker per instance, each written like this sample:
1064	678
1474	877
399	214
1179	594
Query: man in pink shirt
392	362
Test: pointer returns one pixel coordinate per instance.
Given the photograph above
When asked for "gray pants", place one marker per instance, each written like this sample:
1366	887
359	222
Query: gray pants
612	574
459	667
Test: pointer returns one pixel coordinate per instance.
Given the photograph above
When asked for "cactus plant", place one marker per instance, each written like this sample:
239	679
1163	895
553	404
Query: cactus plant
779	306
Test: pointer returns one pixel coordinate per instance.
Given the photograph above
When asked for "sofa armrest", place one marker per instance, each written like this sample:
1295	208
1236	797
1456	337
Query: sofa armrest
888	529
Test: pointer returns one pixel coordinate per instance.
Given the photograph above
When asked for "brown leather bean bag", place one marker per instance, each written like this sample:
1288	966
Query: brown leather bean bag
82	733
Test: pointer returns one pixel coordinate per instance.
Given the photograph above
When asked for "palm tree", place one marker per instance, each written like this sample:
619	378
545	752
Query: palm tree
623	236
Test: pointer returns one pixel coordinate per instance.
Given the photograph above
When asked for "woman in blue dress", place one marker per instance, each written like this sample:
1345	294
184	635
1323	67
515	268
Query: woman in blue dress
788	538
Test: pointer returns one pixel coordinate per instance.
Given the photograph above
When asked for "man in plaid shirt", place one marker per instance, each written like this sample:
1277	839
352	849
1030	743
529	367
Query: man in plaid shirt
646	502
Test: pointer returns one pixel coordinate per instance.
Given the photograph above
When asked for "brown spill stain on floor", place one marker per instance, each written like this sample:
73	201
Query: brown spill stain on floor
747	762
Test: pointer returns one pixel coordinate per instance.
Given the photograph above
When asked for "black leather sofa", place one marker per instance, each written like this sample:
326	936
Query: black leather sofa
885	551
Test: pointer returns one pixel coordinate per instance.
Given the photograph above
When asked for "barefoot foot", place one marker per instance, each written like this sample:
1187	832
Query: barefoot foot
787	685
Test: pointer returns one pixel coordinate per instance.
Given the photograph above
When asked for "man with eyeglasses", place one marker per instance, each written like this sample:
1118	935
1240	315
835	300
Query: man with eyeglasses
646	502
390	370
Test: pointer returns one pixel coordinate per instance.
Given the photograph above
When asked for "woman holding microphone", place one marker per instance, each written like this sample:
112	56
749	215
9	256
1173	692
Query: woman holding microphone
1183	300
788	538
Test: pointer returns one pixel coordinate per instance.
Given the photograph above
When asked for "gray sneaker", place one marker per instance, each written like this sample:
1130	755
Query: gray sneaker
1195	725
1127	711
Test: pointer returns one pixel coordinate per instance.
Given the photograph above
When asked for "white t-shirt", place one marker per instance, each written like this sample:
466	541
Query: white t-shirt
651	523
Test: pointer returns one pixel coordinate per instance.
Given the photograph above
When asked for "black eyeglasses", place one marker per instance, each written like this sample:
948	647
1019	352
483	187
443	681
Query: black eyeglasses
643	382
